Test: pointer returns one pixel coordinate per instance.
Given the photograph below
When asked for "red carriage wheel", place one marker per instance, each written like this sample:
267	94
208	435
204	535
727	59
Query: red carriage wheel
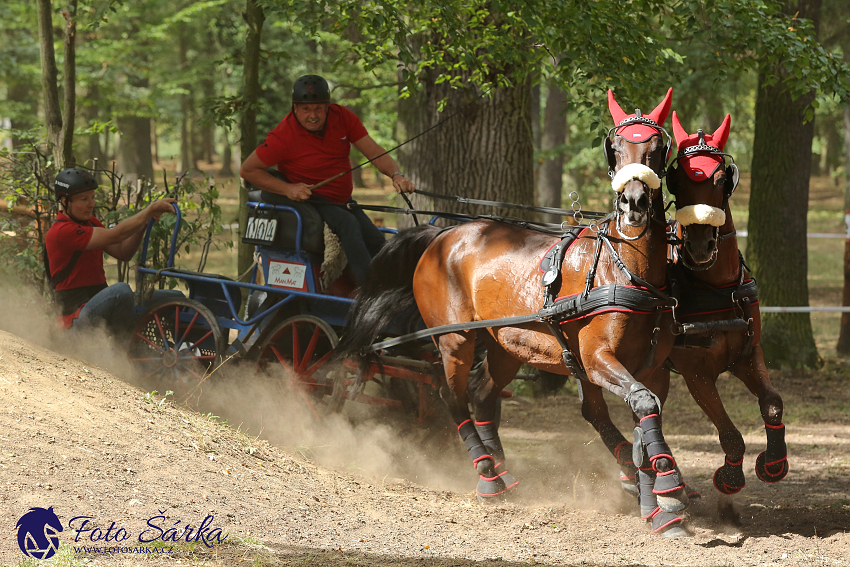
296	353
176	344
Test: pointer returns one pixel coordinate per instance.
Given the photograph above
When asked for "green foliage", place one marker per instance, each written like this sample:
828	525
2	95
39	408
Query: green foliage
26	178
25	189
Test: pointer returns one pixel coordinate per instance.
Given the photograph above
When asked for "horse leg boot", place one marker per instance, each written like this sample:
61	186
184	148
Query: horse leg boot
595	411
729	478
668	524
772	464
457	351
486	405
668	485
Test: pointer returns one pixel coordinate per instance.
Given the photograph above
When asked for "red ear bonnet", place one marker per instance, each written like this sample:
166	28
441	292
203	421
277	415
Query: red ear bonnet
701	165
640	132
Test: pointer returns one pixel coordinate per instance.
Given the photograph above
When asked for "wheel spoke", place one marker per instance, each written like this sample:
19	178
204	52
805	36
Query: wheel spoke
176	322
280	359
190	356
188	328
202	339
161	331
153	344
316	365
193	373
296	348
308	352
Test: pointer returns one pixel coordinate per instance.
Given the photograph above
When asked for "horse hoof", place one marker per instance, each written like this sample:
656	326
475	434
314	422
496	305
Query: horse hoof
729	479
772	472
670	491
667	524
693	493
627	484
674	502
509	480
493	487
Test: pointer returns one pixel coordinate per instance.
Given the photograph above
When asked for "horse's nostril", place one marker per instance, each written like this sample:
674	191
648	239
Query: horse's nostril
711	244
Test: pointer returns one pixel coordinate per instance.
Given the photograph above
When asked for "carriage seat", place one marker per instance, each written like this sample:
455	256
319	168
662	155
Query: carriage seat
312	237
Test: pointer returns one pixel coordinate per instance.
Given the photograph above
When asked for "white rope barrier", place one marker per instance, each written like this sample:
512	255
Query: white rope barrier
744	234
804	309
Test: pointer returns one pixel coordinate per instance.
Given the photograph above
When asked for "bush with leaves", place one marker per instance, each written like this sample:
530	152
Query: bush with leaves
26	181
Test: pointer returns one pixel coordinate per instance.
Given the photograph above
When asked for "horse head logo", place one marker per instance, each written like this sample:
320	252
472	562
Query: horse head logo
37	533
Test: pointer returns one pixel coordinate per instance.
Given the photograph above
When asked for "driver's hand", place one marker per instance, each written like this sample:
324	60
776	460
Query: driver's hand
403	185
299	191
161	207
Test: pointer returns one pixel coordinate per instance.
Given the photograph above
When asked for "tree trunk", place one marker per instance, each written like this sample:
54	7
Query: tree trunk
22	96
781	168
484	152
536	134
207	128
91	112
185	133
254	18
70	71
226	155
49	82
550	183
126	157
843	346
142	144
832	137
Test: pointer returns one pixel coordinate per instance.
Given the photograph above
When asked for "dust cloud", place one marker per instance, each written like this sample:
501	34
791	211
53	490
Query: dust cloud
561	463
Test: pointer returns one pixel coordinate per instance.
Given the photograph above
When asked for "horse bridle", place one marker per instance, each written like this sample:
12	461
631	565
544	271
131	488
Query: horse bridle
608	149
638	118
730	183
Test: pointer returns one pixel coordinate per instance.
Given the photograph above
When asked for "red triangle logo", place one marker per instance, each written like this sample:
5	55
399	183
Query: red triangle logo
286	270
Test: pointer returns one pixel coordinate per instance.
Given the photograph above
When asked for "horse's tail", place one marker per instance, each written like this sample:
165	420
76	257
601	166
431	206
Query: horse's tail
388	290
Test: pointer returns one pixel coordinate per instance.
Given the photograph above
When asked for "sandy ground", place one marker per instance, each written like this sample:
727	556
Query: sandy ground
376	490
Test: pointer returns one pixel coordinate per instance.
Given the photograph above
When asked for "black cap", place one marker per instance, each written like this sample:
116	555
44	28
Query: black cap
310	88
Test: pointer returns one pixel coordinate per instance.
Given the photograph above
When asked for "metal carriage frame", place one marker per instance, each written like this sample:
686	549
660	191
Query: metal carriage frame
180	342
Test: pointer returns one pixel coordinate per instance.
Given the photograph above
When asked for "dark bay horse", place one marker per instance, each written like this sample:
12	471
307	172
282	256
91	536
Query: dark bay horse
485	270
719	301
717	316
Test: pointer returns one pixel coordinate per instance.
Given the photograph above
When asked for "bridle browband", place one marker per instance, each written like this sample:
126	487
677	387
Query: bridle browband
731	183
640	119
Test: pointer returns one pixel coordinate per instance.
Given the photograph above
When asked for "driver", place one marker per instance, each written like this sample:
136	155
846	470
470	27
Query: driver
74	248
311	144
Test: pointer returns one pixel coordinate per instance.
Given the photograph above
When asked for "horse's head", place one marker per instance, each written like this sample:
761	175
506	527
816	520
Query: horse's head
702	184
637	155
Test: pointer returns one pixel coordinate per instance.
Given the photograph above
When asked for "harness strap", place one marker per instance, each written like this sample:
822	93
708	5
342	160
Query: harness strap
550	210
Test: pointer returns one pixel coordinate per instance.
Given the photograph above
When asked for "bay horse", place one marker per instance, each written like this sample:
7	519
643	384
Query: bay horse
718	304
484	270
718	324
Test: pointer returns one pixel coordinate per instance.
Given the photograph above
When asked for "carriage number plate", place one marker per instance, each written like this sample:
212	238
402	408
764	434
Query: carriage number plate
287	274
261	229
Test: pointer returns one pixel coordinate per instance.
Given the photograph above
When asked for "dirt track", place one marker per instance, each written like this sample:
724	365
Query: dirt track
74	437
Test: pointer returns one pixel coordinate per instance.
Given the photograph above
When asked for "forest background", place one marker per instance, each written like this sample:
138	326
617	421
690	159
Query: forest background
153	85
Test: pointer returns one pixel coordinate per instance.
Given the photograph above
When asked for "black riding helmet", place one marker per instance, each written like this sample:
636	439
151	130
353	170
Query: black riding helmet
310	88
72	181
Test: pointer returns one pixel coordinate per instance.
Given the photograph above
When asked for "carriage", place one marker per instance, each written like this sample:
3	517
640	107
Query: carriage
289	327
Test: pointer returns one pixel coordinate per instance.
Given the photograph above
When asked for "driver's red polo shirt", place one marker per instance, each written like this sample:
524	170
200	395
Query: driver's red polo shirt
309	158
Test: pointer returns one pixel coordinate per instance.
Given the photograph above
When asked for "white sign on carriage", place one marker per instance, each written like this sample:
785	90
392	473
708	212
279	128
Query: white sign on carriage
287	274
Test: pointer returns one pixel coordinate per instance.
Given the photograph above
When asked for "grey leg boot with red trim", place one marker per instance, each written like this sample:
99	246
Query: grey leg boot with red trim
490	484
488	432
